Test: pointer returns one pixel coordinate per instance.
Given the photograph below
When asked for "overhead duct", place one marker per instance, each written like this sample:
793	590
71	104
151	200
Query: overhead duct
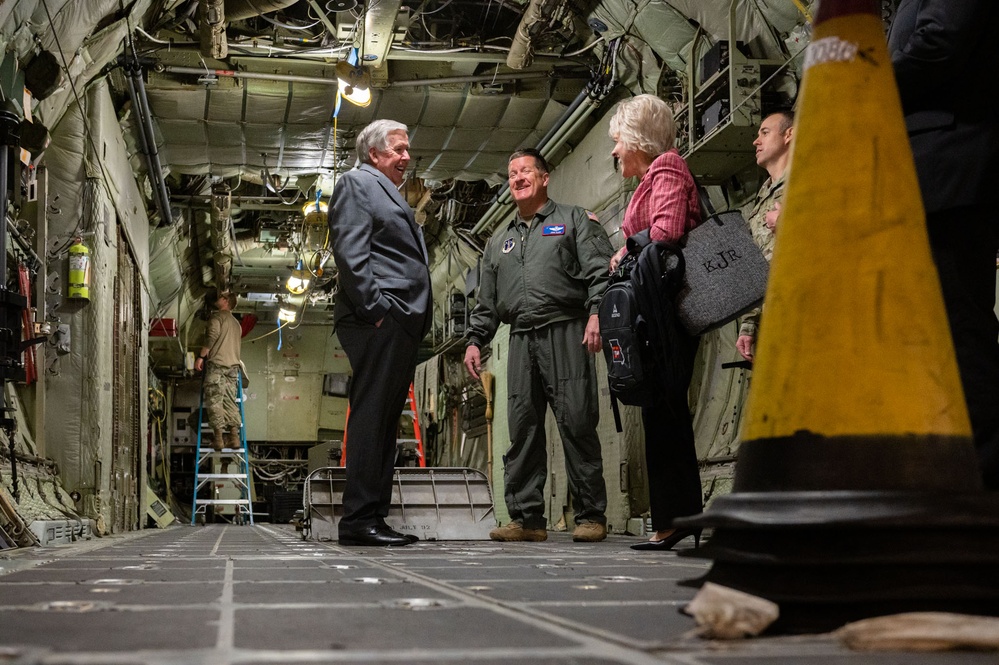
572	120
535	18
221	242
223	271
211	27
236	10
487	78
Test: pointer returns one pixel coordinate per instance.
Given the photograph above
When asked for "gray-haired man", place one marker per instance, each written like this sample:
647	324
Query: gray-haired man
382	312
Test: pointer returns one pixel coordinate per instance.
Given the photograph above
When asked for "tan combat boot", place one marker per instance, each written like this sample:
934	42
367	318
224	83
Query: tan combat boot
515	531
589	532
234	440
218	443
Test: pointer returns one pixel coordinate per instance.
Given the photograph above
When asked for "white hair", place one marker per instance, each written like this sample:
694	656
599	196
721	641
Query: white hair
375	135
644	123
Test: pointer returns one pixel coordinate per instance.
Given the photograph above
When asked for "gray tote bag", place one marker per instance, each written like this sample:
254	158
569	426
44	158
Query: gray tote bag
725	274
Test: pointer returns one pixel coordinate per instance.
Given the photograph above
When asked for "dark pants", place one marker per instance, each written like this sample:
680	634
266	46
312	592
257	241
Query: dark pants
670	455
383	361
964	242
549	366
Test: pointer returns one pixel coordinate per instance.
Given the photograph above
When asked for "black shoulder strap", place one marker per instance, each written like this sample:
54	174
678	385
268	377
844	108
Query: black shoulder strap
707	210
637	242
617	414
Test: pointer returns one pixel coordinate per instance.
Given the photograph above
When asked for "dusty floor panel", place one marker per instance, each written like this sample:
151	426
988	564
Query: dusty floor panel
260	594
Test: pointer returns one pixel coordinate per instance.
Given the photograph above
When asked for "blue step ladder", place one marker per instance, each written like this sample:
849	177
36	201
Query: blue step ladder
241	482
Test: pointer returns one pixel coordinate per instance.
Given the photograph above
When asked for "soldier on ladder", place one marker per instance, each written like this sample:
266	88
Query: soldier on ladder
222	397
221	352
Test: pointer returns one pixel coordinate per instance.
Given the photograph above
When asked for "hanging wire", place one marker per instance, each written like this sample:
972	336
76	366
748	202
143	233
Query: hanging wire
281	324
289	26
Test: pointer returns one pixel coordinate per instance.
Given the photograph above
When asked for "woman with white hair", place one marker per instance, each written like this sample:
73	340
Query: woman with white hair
666	203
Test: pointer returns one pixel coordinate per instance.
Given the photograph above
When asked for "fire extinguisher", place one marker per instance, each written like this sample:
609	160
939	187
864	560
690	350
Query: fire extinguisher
79	270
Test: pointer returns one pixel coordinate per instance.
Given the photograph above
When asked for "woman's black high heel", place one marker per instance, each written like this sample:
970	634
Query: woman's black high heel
670	541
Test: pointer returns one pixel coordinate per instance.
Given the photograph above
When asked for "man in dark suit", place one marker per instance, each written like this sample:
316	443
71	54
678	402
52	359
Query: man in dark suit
382	312
945	62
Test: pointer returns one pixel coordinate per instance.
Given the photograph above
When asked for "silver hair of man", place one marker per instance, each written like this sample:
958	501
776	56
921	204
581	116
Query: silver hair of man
644	123
375	135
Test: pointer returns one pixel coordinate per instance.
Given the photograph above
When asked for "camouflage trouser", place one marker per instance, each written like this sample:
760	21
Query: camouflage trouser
220	396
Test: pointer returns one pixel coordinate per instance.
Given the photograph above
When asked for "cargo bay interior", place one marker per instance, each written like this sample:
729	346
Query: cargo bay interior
184	155
154	152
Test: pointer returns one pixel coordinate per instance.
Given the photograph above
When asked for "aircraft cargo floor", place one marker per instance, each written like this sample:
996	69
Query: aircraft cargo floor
219	594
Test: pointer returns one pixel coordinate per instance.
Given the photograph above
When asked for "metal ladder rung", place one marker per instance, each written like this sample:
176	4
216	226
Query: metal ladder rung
239	483
223	502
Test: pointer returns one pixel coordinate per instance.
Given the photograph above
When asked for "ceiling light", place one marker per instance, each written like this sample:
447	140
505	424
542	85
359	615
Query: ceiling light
353	83
298	283
312	206
315	212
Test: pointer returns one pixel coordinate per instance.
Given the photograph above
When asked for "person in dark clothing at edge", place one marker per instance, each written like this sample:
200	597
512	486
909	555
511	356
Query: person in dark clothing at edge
942	51
544	273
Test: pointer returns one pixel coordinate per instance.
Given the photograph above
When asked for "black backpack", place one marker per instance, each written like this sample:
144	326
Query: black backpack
632	342
631	367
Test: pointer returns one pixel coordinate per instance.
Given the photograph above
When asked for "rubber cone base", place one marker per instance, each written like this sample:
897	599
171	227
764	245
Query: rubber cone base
828	558
812	462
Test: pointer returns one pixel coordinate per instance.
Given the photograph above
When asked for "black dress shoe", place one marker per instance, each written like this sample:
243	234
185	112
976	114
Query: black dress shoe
408	536
411	537
374	536
669	541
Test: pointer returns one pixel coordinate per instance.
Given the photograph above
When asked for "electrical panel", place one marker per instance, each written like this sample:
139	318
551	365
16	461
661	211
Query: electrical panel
724	110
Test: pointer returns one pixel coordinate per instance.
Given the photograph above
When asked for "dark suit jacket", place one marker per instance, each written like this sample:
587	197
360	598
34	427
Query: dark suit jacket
380	254
946	63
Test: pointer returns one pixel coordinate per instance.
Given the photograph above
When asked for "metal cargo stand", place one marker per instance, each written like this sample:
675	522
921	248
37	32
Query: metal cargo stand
434	503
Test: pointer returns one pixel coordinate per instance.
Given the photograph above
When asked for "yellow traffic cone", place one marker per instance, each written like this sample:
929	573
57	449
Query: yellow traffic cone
856	340
857	480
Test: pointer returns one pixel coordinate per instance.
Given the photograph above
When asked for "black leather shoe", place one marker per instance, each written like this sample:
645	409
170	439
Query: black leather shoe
374	536
408	536
413	538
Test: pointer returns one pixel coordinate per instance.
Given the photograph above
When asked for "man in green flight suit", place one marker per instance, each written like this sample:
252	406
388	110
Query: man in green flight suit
544	273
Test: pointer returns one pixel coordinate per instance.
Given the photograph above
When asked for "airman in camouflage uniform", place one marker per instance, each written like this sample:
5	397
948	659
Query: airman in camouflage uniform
773	151
221	350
